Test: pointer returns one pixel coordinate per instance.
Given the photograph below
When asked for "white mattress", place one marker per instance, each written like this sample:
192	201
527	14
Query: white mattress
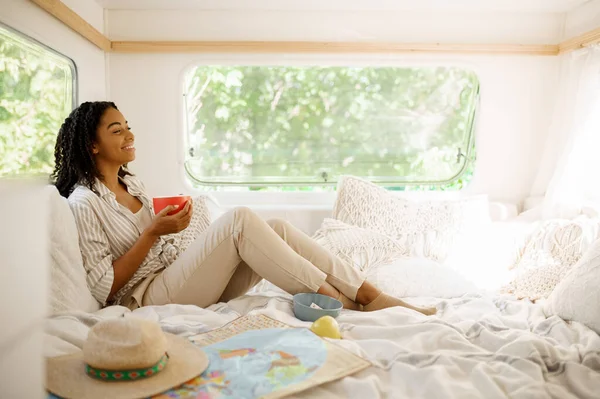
477	346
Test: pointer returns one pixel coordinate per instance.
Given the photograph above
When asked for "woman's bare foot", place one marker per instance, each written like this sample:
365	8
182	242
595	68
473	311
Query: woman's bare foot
372	298
428	311
384	301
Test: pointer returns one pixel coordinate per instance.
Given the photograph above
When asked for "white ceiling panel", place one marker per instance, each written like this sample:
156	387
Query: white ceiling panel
347	5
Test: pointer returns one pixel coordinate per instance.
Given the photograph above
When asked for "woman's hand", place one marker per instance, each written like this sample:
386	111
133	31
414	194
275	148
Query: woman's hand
164	224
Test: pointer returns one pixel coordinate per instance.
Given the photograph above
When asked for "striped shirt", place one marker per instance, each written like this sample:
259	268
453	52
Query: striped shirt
107	230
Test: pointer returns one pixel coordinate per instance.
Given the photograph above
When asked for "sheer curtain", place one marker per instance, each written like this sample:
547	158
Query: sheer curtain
570	169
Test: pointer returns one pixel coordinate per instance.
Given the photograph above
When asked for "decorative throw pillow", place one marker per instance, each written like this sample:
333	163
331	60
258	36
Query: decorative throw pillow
215	209
548	254
426	228
360	247
201	219
68	286
577	296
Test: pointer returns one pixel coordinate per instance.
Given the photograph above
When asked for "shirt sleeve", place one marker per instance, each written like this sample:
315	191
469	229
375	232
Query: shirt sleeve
95	250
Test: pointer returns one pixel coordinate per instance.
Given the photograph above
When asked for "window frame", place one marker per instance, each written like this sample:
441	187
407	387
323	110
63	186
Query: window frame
69	61
193	182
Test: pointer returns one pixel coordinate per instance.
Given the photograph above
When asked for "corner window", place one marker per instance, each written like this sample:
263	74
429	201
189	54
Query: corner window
36	95
303	127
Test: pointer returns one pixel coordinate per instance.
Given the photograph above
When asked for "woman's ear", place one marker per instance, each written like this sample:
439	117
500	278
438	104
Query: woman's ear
95	149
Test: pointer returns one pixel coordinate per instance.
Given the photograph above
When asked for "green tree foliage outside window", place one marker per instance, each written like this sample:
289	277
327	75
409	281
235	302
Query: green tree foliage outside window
299	128
36	95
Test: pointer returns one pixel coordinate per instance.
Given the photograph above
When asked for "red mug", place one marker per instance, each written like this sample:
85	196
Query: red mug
161	203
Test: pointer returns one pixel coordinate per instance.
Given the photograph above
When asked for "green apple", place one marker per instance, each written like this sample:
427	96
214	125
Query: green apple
326	327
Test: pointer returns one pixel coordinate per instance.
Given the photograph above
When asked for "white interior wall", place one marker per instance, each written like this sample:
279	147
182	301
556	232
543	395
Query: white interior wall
524	6
419	26
26	17
516	91
516	96
23	245
582	19
90	10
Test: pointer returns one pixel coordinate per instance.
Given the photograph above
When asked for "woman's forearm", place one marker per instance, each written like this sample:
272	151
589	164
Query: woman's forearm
125	266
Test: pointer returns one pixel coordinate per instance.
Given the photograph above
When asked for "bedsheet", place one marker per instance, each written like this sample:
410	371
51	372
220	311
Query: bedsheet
477	346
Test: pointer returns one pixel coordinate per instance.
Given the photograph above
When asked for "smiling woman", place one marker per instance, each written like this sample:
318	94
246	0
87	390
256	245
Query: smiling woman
133	258
92	138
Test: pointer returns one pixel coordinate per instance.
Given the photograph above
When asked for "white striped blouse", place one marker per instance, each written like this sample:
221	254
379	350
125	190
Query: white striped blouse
107	230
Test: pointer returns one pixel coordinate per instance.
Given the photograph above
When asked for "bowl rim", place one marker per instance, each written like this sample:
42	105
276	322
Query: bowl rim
341	305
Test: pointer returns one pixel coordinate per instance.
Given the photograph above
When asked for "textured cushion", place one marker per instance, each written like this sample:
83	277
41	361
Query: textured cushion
548	254
68	286
577	296
201	219
426	228
359	247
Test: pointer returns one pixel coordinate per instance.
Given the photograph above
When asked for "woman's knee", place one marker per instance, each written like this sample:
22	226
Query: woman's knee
277	224
244	214
242	210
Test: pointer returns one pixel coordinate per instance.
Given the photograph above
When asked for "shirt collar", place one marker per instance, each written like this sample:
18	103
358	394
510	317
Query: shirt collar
133	189
102	190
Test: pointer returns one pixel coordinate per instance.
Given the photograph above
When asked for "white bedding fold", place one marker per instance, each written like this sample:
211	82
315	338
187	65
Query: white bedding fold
477	346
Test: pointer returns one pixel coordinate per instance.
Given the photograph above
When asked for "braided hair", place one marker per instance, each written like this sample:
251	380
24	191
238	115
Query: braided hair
73	157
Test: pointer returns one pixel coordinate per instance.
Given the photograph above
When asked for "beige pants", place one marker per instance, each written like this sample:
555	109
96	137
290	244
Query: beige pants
236	252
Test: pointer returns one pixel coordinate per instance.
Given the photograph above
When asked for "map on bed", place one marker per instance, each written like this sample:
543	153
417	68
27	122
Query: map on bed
258	357
256	363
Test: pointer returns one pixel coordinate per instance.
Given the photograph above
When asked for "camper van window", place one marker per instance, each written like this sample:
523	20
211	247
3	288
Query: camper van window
299	128
36	95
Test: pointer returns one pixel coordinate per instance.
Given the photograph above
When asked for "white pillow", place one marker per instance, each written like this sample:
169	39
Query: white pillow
418	277
68	286
214	207
577	296
548	254
359	247
485	254
427	228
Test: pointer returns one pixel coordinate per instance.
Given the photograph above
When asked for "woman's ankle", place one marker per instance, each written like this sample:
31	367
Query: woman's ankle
367	293
328	290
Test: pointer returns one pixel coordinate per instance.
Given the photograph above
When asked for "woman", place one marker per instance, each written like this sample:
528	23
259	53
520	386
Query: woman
132	257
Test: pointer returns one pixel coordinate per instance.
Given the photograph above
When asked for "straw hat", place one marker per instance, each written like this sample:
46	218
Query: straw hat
125	358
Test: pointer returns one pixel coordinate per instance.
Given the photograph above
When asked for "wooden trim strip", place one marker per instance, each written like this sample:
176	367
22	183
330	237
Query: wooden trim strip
256	47
70	18
584	40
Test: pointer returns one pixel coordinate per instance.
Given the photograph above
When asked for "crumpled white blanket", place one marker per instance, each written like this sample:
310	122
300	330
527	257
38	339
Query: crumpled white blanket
476	347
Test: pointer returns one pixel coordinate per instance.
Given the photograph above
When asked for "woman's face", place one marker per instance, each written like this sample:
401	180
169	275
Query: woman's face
114	141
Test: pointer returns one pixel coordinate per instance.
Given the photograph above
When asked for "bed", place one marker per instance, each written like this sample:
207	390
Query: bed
478	346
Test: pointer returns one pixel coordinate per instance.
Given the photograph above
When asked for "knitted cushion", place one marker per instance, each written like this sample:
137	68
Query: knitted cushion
201	219
548	254
426	228
359	247
577	296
